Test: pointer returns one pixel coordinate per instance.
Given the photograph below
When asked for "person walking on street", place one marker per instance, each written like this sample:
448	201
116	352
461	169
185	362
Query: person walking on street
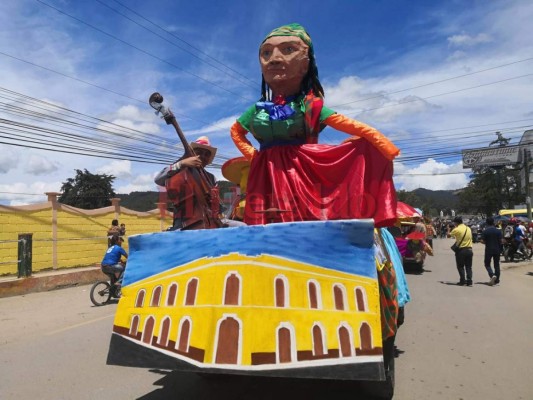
114	230
491	237
122	231
464	256
430	232
419	225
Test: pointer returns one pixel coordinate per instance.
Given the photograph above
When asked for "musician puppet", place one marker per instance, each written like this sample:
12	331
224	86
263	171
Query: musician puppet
182	189
289	171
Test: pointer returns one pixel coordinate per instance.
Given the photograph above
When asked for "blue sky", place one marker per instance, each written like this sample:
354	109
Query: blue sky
435	77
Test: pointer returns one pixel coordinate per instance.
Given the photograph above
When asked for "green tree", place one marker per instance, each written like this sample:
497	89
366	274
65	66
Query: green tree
408	198
88	191
140	201
491	189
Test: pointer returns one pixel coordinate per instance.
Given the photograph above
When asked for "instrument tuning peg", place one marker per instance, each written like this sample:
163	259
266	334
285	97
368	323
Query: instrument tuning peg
156	102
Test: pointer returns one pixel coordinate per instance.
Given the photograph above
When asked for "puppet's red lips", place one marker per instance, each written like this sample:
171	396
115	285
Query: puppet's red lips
275	72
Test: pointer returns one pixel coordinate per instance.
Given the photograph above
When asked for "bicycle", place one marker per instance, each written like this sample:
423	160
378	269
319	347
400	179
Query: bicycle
103	291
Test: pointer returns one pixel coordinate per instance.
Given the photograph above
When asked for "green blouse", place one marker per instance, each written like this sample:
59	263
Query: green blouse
257	121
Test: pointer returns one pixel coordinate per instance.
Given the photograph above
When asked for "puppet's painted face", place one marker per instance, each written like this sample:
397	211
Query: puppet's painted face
204	155
284	62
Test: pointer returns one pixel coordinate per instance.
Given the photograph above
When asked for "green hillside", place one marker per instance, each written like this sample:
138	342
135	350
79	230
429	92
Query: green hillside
430	201
147	201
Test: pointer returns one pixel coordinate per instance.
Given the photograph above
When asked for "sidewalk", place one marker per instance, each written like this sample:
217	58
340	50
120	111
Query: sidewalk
49	280
68	277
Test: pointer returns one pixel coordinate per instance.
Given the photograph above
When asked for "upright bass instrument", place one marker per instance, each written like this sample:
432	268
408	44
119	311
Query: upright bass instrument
192	188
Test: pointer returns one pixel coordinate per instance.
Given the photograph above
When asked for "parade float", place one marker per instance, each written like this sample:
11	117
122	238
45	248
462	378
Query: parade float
309	299
307	287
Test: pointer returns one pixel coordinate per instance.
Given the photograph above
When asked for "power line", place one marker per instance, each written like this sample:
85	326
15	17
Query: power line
143	102
255	86
26	194
143	51
433	174
45	142
204	122
445	93
81	142
184	41
473	126
372	109
436	82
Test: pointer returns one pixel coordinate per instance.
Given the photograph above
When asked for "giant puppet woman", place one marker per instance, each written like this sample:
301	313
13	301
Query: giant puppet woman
290	172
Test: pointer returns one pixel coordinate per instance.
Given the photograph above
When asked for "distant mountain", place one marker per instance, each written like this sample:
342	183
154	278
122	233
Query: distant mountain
147	201
444	198
139	201
432	201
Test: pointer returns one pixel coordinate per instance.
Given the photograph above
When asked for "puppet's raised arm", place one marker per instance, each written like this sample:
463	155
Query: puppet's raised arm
356	128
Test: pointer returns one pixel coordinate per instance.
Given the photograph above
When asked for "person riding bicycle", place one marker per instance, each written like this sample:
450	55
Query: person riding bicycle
111	263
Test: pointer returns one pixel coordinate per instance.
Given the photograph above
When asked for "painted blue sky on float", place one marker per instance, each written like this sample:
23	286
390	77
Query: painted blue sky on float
345	246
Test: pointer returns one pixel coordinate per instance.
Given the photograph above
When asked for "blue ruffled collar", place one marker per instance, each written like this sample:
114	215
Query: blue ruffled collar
279	109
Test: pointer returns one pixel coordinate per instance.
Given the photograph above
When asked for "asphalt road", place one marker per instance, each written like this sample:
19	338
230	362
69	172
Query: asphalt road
457	343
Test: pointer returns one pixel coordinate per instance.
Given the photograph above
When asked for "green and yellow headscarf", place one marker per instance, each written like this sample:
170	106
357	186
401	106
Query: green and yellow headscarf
291	30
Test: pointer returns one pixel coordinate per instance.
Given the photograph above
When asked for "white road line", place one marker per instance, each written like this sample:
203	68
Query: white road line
78	325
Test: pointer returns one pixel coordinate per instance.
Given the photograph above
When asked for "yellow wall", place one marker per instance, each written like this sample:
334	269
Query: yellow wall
37	222
81	234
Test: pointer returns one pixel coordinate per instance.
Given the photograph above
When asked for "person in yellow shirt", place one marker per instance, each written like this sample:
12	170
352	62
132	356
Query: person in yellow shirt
464	256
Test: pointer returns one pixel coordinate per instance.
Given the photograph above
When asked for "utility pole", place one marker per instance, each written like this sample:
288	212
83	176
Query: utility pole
526	173
500	142
499	185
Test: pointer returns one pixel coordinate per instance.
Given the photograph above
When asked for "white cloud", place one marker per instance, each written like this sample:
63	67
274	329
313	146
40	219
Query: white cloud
353	96
446	176
120	169
393	109
24	193
216	129
133	113
139	183
9	159
131	117
465	40
456	56
38	165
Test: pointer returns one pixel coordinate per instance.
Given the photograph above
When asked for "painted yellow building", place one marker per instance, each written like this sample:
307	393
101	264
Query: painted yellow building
252	312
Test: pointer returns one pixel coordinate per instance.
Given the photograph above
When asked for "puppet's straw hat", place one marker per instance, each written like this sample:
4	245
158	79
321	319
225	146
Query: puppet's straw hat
203	143
232	169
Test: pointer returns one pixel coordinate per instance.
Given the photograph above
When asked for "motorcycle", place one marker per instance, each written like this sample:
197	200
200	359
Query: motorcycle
511	253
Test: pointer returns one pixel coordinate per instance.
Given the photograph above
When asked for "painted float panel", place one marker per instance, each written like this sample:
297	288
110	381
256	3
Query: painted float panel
294	299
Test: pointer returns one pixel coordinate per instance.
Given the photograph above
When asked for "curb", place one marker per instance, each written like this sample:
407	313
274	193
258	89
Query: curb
43	283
